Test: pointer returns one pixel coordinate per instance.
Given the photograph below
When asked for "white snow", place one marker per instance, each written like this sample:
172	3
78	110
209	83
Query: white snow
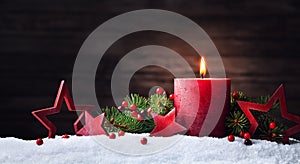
175	149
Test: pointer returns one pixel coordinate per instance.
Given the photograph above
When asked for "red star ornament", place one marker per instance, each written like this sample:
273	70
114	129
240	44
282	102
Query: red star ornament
62	94
93	126
166	125
78	123
278	95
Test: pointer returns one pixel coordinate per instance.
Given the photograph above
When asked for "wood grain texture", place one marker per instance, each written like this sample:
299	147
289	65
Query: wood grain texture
39	40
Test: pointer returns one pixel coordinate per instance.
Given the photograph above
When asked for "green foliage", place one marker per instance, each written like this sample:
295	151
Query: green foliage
160	104
264	131
241	97
124	120
264	100
140	102
237	122
236	113
127	123
109	114
263	118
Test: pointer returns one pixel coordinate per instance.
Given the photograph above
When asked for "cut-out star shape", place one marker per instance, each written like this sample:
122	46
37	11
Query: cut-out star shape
93	126
278	95
166	125
63	94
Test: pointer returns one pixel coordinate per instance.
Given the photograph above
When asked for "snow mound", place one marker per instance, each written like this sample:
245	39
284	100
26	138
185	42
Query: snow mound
187	149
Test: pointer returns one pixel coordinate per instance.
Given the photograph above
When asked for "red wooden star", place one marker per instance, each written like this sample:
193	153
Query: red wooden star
166	125
62	94
278	95
78	123
93	126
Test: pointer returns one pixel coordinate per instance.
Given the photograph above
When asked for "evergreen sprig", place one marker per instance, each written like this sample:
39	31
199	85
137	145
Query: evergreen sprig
241	97
160	104
123	120
263	118
237	122
127	123
140	102
264	131
264	100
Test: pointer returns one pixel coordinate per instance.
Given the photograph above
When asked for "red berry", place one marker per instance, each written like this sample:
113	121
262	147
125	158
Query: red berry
235	95
241	134
65	136
235	121
132	107
144	141
121	133
172	96
272	125
124	104
274	134
159	90
112	136
139	117
112	120
247	135
134	114
231	138
39	141
149	110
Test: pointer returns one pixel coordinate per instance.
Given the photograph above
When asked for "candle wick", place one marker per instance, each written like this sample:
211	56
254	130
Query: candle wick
202	76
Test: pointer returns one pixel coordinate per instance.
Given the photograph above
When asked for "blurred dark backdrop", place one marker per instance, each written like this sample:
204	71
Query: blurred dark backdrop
39	40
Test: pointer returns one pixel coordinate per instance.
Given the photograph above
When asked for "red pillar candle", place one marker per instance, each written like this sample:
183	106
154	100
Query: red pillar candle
202	104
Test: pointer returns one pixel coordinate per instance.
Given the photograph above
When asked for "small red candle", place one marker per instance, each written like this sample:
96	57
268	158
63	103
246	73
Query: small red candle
202	103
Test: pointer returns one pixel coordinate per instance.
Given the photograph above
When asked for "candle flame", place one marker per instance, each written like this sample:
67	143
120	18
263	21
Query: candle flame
202	67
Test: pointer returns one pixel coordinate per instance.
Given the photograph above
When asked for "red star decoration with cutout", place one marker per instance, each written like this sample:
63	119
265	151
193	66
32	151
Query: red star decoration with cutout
166	125
93	126
278	95
63	94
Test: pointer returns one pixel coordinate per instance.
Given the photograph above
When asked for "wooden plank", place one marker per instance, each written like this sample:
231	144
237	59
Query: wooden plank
221	26
189	7
258	41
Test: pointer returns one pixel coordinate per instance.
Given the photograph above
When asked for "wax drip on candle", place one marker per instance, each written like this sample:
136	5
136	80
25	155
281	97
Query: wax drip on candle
202	67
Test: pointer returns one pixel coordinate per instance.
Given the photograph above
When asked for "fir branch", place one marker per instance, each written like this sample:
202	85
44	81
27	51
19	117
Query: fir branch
263	118
110	114
237	122
160	104
264	100
127	123
140	102
241	97
264	131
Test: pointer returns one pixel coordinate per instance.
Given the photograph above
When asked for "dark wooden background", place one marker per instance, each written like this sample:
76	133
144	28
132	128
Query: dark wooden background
39	40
